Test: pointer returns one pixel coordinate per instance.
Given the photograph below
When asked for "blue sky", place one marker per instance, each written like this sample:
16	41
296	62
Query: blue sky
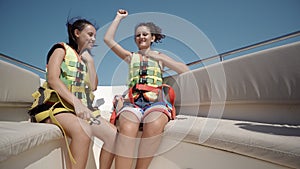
195	29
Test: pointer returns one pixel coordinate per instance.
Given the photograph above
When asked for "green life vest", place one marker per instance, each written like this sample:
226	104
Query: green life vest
145	77
74	75
146	72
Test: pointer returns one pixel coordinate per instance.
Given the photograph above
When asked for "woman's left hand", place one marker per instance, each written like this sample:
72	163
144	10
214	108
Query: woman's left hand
86	56
151	54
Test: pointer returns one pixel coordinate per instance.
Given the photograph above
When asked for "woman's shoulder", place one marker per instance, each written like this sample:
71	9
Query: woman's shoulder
59	45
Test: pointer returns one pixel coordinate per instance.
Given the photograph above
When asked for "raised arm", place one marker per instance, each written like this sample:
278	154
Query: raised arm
109	37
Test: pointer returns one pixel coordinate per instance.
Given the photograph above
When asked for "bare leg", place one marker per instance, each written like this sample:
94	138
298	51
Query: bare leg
80	141
106	159
107	133
153	128
126	140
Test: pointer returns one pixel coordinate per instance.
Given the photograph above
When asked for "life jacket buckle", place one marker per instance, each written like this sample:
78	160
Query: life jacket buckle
144	64
143	72
142	80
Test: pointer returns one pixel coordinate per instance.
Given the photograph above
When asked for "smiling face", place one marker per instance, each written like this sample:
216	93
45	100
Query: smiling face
143	37
86	38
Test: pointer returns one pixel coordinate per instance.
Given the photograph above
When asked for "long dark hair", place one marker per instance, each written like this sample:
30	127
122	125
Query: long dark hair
72	25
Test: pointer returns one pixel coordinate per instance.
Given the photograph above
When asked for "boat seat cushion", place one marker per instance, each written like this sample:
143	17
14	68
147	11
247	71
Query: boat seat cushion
17	84
262	87
18	137
271	142
257	77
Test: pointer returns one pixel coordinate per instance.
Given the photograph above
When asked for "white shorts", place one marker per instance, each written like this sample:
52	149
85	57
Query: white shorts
141	113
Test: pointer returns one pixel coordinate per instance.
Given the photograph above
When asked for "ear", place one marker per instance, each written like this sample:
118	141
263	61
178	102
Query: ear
153	38
76	33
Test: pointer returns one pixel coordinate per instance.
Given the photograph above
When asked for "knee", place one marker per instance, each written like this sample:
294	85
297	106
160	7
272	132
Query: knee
154	128
129	129
81	133
83	136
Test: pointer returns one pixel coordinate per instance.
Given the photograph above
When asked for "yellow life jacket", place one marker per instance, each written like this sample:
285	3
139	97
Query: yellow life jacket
75	76
147	72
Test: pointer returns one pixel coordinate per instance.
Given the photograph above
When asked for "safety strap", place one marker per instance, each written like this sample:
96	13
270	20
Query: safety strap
113	117
143	87
80	89
172	97
156	90
52	117
45	95
52	111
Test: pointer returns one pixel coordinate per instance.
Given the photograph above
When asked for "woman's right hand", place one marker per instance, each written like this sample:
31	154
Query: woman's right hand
82	111
122	13
118	102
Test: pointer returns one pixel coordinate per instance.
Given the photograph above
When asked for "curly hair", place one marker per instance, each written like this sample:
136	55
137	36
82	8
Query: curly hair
154	29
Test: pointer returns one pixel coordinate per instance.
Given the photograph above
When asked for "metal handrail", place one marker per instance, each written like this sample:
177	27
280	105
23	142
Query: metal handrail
22	63
220	56
249	47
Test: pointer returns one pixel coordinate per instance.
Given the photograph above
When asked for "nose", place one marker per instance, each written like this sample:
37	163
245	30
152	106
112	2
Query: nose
94	38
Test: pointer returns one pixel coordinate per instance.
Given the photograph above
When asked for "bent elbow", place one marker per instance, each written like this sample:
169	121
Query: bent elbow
94	88
107	40
51	82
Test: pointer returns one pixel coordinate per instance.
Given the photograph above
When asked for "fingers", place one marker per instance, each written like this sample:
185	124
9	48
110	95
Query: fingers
86	47
122	12
149	53
83	115
143	52
86	56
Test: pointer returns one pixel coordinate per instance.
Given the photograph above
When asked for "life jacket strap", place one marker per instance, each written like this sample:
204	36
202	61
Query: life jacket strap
157	90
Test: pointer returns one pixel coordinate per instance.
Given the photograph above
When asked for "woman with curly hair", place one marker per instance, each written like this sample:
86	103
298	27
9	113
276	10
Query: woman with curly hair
142	109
